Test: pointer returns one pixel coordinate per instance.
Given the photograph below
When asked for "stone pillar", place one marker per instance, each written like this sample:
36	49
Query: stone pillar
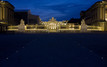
3	13
102	12
98	13
0	13
83	26
58	25
21	27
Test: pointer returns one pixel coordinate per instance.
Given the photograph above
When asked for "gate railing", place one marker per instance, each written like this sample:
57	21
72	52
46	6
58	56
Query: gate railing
60	28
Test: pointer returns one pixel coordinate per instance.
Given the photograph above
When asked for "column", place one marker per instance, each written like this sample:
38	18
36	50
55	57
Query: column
0	13
3	13
98	13
106	12
102	13
6	14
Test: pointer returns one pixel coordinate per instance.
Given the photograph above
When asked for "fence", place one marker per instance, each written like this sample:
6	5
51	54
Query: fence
43	28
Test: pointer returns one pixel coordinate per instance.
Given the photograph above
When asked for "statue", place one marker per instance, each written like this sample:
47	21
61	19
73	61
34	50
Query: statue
22	26
83	26
22	22
83	22
52	19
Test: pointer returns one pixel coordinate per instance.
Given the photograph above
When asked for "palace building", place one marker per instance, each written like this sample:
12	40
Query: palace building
8	16
53	26
96	14
6	13
26	16
12	17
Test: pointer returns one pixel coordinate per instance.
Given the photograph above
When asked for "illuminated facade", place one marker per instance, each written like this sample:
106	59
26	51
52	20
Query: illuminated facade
6	13
96	14
53	26
10	17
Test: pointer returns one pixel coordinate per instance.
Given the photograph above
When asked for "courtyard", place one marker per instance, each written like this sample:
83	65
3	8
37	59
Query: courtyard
53	50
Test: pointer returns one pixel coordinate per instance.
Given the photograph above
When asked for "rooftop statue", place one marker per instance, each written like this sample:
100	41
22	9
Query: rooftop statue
52	19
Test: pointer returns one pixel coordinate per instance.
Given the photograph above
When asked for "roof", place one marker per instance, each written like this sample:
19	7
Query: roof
27	10
98	2
7	2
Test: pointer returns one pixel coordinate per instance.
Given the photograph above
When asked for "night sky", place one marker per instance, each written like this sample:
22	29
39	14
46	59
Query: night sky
60	9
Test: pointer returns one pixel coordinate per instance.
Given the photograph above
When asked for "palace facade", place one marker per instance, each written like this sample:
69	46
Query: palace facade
6	13
96	14
53	26
8	16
